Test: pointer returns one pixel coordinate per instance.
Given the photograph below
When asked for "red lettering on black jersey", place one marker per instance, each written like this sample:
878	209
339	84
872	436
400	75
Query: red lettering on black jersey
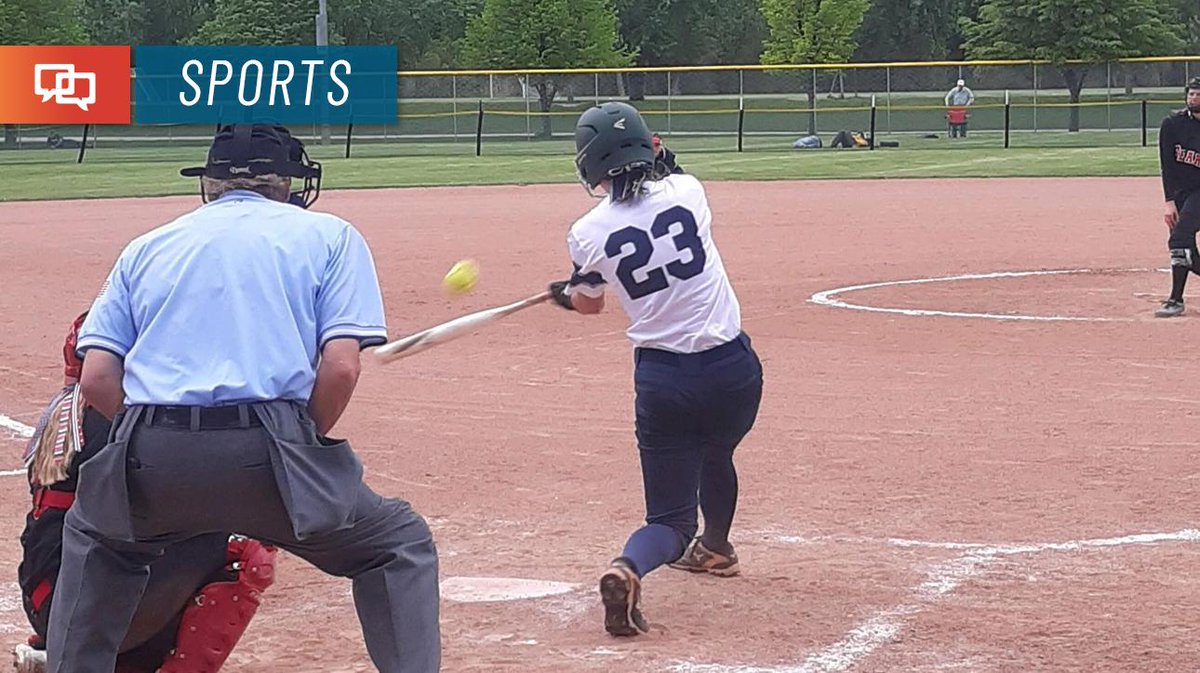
1189	157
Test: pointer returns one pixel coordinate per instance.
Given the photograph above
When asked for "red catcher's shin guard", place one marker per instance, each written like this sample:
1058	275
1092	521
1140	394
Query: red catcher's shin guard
220	612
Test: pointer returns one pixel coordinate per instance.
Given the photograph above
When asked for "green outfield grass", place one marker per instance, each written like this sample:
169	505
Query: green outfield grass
154	171
424	120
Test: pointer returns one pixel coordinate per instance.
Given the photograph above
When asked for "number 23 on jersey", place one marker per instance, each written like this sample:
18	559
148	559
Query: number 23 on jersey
682	268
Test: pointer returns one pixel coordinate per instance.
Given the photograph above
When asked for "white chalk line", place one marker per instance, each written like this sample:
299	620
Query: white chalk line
11	606
21	431
499	589
955	164
16	426
828	297
940	580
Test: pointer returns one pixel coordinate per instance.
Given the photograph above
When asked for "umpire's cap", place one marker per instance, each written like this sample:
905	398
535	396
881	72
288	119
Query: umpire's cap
1192	85
250	150
609	140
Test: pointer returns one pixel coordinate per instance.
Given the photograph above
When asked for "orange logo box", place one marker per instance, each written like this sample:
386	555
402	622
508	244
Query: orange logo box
64	85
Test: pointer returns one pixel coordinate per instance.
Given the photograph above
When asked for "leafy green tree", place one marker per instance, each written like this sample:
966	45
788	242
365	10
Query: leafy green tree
417	26
912	30
738	27
172	21
40	22
1066	31
688	32
811	31
448	28
158	22
1187	14
260	22
114	21
512	34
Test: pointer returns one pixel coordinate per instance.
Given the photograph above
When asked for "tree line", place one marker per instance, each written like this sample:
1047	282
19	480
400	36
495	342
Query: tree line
449	34
465	34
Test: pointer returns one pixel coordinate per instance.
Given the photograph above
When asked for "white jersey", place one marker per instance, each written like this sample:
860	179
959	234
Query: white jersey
657	251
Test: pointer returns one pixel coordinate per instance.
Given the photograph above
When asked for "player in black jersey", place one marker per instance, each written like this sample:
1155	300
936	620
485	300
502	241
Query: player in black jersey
1179	156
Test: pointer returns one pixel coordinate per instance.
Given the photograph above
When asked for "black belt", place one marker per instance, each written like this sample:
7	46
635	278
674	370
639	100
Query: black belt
739	343
202	418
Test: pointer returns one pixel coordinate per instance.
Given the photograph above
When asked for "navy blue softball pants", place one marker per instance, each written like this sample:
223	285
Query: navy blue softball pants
692	412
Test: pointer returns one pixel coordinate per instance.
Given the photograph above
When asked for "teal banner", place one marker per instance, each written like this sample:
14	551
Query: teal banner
286	85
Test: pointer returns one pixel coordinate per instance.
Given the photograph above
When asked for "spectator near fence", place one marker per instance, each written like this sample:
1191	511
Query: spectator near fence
958	100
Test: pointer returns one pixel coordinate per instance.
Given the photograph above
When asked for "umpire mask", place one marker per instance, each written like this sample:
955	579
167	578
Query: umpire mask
250	150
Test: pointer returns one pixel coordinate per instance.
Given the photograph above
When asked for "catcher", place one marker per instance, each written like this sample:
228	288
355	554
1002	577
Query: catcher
201	593
664	159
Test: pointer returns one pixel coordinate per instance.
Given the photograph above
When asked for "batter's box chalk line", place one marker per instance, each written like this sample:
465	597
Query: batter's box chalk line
494	589
18	431
830	297
940	580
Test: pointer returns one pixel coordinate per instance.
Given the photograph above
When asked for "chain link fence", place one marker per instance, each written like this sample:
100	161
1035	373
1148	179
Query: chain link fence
752	108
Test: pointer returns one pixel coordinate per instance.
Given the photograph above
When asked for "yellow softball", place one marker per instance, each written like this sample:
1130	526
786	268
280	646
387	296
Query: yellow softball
461	278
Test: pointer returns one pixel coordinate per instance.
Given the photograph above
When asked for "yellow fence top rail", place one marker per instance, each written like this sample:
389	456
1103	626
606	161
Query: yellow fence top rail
758	67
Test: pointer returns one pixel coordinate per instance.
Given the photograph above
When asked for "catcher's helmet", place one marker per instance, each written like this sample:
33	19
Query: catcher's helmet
73	366
254	150
611	139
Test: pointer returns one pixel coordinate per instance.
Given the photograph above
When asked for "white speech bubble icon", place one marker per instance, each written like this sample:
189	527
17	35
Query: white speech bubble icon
65	83
65	78
40	70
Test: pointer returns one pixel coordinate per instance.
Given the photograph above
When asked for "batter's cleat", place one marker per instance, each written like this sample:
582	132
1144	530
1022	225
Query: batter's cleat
700	559
1169	309
28	660
621	593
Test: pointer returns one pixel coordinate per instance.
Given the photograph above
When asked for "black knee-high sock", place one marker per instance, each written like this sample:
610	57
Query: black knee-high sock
1179	276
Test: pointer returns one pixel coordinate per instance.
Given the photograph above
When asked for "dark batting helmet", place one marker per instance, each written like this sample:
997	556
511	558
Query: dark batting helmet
613	142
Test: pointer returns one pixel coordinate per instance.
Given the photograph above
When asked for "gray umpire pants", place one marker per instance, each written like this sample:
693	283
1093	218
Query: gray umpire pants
268	476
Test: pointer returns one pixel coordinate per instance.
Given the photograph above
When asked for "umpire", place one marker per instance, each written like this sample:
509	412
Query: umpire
231	338
1179	158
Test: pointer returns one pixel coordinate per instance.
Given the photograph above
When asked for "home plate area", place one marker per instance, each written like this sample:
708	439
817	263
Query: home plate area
845	603
976	449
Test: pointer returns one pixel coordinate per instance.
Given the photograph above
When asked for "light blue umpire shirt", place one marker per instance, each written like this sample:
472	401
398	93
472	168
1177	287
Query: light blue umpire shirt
232	303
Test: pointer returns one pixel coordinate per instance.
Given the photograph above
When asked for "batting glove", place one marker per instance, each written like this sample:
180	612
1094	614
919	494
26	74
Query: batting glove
558	292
